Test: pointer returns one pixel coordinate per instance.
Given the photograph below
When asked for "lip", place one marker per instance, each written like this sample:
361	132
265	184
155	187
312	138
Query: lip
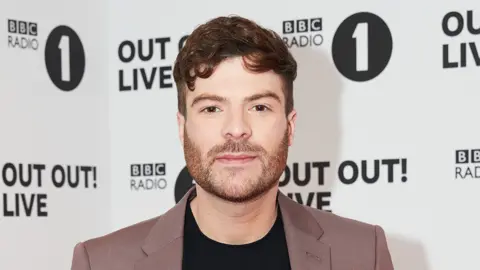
235	158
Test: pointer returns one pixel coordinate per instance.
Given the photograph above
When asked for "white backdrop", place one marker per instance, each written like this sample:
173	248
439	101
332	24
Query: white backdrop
53	116
384	121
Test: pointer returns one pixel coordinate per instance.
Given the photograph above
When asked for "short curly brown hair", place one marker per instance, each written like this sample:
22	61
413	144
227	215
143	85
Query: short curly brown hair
232	36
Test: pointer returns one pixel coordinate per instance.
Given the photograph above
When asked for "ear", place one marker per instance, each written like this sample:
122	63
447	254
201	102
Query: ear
181	126
291	120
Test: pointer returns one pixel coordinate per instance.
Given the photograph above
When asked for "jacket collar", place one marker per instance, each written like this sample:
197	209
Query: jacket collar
164	244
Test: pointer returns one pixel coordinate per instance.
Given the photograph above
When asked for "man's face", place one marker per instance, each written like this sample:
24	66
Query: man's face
236	134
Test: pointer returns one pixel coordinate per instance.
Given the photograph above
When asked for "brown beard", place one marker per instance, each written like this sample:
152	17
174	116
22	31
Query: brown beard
273	165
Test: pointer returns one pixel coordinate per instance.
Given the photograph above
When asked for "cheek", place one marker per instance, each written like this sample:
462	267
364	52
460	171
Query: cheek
203	135
269	133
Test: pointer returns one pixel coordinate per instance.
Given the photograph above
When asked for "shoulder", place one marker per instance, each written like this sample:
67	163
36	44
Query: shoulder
331	220
339	229
129	244
361	242
122	243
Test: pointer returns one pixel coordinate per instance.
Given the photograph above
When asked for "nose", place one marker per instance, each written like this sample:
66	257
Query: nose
237	126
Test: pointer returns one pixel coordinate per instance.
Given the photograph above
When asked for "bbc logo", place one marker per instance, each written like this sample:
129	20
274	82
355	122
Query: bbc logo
302	26
467	156
148	169
22	28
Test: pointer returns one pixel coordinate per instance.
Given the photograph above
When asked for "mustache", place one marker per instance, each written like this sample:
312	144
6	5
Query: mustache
235	147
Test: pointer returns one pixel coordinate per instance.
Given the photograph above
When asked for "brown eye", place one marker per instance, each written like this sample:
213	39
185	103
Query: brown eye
260	108
211	109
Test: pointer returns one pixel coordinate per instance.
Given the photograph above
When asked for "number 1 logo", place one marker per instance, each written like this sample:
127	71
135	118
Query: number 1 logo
362	47
64	58
64	47
360	35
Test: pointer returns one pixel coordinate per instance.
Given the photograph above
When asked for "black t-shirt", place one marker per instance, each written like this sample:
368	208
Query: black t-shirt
203	253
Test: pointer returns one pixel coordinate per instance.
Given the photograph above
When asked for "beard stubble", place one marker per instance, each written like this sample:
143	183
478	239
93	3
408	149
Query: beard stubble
200	168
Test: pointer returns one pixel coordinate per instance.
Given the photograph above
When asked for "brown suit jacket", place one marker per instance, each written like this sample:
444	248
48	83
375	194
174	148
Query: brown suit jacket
316	240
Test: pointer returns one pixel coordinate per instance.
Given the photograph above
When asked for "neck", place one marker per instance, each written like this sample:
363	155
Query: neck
234	223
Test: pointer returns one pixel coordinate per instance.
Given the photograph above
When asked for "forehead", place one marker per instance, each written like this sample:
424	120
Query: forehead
232	79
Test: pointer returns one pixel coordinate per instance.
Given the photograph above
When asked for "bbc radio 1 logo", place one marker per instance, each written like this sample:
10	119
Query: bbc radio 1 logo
64	52
148	176
64	58
461	50
22	34
303	32
467	164
362	46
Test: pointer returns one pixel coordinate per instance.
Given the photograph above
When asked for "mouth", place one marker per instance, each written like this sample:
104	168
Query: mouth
235	158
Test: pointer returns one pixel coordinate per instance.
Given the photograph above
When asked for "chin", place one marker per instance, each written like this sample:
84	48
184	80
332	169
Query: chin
237	197
238	190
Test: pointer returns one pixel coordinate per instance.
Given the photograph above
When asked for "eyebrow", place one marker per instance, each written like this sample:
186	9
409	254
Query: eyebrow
266	94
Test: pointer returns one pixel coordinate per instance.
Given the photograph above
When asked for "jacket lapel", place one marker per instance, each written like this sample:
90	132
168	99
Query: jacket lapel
303	233
164	245
168	257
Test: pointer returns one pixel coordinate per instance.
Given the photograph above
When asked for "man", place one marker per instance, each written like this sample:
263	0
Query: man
236	121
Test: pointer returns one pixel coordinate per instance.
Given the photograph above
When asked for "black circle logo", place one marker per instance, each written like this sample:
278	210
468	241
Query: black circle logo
183	184
64	58
362	47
